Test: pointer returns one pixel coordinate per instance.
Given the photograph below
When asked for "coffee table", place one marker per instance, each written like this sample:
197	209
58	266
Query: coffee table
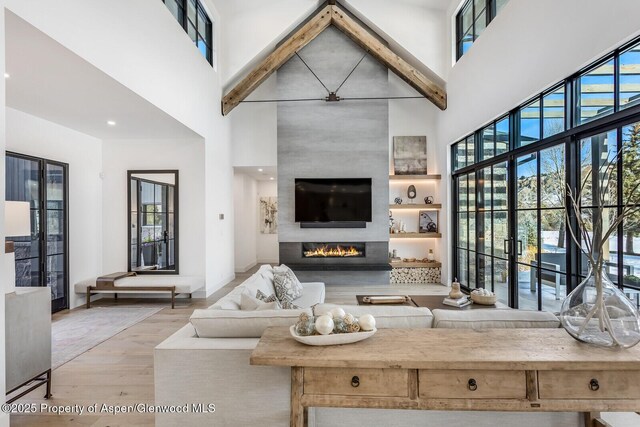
433	302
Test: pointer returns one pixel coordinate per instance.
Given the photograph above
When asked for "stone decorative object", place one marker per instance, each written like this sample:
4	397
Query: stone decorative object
337	313
324	325
367	322
333	327
416	275
455	293
398	200
411	193
428	200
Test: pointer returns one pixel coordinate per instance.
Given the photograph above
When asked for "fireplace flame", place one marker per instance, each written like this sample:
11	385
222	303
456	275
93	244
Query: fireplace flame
338	251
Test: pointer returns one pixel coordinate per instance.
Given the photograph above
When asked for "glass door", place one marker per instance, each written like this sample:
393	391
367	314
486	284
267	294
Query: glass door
55	264
42	257
540	232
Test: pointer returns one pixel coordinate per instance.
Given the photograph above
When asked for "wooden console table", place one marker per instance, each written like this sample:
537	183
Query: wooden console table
539	370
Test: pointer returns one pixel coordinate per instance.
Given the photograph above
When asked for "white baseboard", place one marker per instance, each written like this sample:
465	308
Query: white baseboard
220	284
246	267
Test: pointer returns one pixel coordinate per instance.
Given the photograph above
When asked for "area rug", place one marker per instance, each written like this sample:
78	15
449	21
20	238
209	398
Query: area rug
81	330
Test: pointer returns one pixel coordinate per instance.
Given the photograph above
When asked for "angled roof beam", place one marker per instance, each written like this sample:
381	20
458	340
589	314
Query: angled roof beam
386	56
333	14
276	59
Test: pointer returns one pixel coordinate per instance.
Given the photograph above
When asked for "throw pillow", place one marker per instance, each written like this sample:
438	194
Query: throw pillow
286	284
259	302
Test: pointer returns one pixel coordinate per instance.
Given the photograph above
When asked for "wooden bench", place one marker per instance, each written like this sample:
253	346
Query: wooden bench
130	282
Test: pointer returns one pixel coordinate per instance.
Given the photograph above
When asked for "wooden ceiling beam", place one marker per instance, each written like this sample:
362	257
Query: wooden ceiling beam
386	56
333	14
276	59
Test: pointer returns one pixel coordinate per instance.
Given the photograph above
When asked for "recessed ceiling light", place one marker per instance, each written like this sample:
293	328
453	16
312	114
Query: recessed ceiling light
7	75
111	123
260	170
271	178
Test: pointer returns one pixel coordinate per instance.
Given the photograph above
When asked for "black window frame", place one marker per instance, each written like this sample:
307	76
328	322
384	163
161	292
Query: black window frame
490	11
573	133
206	34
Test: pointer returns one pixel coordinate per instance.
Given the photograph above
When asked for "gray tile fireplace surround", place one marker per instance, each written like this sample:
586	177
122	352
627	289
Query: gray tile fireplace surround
373	268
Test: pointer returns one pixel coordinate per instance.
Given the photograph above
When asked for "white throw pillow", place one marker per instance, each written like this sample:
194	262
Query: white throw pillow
286	284
258	282
250	303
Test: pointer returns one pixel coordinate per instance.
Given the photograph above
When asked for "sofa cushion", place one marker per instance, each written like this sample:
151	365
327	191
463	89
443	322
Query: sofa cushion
258	302
489	318
231	301
241	324
312	294
287	285
387	316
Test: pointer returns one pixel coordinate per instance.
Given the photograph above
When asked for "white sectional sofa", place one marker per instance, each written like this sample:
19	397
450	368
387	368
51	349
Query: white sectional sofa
207	362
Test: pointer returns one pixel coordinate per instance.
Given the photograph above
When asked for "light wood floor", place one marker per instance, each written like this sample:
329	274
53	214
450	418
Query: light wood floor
119	371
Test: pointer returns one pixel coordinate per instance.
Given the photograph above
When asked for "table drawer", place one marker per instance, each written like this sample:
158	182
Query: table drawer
356	382
589	384
472	384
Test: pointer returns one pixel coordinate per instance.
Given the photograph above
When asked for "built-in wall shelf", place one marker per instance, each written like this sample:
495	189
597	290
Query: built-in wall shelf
432	264
415	235
421	206
414	177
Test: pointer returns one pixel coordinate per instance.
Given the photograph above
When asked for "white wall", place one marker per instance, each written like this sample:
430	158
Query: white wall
529	46
267	249
187	156
254	129
416	117
245	205
4	418
27	134
147	51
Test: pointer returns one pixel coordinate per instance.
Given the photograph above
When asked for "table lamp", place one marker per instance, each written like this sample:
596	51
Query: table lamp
17	223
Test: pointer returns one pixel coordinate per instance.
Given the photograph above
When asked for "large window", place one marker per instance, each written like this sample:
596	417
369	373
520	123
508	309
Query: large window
471	21
511	231
191	15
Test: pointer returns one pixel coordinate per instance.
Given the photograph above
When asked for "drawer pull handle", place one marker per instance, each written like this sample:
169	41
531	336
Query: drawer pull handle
593	385
472	385
355	381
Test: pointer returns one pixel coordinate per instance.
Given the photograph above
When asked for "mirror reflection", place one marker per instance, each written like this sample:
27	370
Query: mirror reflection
153	218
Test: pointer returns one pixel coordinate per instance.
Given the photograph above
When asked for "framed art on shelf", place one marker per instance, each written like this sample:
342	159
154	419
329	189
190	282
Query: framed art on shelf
428	222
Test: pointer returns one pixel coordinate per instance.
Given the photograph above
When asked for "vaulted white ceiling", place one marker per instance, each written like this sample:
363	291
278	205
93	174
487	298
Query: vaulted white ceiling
49	81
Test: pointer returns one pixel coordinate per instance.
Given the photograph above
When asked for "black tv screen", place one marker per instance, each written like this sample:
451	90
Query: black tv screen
333	200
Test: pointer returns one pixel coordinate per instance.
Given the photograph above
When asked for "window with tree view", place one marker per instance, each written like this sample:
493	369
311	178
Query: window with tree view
521	246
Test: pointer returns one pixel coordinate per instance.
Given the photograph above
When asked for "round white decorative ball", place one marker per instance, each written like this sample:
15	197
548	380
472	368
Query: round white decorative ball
337	313
367	322
324	325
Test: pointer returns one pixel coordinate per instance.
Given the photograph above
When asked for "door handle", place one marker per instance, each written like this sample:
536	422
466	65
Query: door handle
507	246
519	247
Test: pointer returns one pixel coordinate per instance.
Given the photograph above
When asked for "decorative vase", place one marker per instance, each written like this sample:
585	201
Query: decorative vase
599	313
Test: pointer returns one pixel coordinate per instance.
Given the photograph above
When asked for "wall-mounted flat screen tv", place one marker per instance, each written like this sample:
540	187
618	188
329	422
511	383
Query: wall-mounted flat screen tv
333	200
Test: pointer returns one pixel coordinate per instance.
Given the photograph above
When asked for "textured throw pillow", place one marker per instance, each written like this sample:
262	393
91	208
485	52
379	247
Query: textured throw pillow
286	284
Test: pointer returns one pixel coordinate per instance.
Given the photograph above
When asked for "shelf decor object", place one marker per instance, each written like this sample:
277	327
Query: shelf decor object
596	311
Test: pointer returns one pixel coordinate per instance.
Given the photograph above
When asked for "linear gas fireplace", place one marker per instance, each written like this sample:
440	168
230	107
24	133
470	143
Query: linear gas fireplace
333	250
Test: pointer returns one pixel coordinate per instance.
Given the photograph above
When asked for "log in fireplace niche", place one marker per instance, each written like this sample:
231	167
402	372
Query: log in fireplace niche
333	250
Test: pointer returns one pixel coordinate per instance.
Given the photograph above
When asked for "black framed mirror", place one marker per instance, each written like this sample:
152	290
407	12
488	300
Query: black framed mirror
153	221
